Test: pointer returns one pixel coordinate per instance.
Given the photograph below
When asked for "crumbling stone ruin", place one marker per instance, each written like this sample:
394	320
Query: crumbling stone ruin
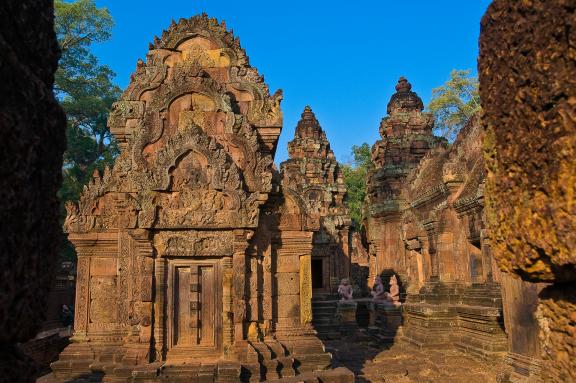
528	88
32	127
194	256
313	173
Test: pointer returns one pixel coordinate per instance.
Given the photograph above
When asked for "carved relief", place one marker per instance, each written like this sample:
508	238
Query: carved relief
102	292
305	289
197	127
194	244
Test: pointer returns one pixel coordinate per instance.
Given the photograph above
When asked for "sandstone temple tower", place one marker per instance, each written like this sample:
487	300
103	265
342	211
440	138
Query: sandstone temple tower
406	137
193	260
426	224
313	172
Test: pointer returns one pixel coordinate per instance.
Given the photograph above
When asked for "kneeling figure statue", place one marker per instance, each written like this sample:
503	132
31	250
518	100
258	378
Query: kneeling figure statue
345	290
381	296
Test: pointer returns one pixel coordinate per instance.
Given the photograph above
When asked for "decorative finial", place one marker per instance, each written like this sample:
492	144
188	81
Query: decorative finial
307	114
403	85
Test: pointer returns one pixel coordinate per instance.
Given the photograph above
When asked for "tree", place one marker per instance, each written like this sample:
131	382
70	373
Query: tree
85	90
454	103
355	180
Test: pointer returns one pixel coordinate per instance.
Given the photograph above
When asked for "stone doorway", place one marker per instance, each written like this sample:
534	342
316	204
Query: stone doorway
195	307
318	274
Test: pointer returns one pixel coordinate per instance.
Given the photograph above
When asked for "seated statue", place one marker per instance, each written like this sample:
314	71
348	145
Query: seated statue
345	290
381	296
394	294
378	293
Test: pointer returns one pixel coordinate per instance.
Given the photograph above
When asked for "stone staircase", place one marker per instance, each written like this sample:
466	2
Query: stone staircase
323	319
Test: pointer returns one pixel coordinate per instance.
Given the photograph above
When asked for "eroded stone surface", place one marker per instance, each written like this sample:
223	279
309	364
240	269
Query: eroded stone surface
32	127
528	91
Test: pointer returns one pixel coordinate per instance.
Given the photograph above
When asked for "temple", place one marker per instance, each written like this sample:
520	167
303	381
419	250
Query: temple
200	260
313	172
194	256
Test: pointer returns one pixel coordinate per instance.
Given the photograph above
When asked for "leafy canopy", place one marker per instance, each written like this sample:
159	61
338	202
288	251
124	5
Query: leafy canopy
454	103
355	180
86	92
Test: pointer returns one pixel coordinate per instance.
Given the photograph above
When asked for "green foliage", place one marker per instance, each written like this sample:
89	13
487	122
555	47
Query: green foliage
355	180
85	90
454	103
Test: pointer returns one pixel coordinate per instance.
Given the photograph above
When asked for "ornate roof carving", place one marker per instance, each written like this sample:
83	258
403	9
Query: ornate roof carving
197	128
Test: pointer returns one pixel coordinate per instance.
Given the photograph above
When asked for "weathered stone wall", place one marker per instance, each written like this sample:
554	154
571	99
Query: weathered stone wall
527	71
32	129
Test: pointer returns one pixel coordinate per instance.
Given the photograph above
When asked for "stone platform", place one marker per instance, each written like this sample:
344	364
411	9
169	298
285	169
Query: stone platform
401	363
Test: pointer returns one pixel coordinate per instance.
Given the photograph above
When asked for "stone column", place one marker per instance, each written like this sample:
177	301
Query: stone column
81	302
77	357
294	301
160	276
293	253
306	289
227	304
241	238
431	229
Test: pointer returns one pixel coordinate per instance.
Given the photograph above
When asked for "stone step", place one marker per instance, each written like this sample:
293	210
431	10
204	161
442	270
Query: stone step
333	335
324	304
322	321
324	328
323	310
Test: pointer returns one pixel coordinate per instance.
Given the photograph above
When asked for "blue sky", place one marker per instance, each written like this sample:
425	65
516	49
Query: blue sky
343	58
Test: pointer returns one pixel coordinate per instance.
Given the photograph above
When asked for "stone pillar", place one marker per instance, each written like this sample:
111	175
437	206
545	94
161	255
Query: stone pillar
97	307
293	256
306	289
241	238
431	229
227	304
160	276
520	301
294	301
81	301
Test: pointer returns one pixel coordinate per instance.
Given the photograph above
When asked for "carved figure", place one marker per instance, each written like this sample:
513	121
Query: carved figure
345	290
378	293
71	216
394	294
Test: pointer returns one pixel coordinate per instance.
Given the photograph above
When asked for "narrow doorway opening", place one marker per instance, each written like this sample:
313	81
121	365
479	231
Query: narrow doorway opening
317	274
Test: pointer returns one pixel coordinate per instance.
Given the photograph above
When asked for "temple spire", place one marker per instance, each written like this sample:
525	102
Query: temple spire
404	100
